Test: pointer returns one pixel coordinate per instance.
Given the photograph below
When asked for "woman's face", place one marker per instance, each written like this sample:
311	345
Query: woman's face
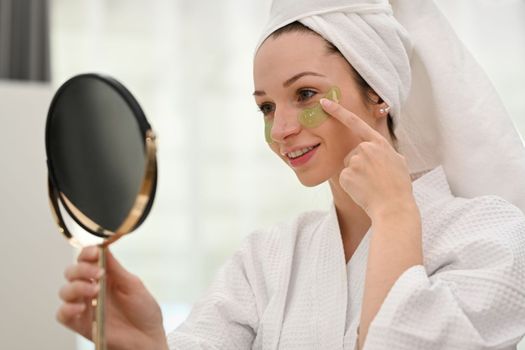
293	72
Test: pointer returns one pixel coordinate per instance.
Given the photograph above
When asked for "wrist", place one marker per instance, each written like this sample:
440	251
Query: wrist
158	344
158	341
397	211
161	342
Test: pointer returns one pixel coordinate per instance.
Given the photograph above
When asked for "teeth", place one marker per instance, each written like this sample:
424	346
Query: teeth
299	153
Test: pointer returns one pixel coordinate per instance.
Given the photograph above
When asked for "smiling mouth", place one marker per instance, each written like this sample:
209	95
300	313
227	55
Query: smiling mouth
299	153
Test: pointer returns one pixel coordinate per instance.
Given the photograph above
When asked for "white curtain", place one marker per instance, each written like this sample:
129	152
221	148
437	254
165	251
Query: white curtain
24	47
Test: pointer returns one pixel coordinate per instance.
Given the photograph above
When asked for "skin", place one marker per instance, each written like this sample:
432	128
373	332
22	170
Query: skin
369	180
133	317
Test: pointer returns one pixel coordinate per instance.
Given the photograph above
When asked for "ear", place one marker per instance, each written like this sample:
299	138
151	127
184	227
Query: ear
384	109
380	108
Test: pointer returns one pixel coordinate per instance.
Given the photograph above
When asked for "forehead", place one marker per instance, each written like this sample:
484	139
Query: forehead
290	53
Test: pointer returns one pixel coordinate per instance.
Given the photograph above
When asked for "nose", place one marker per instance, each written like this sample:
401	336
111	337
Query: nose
285	124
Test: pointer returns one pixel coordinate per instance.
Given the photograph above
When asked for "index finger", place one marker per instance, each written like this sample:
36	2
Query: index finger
357	125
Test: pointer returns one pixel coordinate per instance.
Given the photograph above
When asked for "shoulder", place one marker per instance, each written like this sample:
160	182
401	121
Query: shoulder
472	232
482	212
439	207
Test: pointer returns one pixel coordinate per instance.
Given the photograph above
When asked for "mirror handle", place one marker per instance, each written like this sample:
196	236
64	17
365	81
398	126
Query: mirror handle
99	321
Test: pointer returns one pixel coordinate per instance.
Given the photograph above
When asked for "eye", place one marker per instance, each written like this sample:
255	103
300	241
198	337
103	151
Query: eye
305	94
266	108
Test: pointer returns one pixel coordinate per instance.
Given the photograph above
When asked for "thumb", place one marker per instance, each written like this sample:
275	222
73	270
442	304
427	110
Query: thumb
119	276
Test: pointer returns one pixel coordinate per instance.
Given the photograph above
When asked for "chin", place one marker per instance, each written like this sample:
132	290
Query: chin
310	180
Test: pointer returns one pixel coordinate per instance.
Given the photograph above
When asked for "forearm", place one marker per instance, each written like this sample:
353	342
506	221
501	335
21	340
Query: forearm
395	246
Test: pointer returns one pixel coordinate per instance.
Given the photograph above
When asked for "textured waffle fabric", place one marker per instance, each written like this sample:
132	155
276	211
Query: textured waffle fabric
289	287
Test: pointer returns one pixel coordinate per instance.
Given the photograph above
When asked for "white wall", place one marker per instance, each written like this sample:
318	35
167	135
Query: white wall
33	254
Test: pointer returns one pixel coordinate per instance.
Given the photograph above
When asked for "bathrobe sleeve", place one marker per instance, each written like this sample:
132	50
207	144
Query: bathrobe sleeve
226	316
474	297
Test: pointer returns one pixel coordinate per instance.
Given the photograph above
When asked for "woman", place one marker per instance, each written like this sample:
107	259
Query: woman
400	261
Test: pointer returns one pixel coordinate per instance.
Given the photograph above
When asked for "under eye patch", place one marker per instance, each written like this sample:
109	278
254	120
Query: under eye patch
309	117
267	130
314	116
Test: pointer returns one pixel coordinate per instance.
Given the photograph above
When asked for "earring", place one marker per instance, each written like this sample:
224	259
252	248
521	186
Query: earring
384	110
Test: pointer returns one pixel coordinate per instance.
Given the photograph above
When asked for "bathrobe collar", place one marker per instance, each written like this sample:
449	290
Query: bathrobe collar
330	292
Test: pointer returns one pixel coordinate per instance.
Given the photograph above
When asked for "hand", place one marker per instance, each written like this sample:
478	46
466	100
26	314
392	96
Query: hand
375	175
133	317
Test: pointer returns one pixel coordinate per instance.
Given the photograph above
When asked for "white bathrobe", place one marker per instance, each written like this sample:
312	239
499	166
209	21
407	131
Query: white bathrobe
289	287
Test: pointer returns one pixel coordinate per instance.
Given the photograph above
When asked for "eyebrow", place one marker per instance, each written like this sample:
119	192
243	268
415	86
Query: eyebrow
290	81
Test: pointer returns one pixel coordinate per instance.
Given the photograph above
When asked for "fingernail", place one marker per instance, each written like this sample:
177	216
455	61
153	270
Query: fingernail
326	102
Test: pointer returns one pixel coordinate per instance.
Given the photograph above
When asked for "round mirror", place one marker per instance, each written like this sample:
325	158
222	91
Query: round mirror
102	167
101	159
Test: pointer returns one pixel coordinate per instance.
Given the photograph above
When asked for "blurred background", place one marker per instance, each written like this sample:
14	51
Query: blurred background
189	64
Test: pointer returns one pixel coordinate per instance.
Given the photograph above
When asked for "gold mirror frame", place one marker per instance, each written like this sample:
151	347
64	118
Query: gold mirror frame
134	217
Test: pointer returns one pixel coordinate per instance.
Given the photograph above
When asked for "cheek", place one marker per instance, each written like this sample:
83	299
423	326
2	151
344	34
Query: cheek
339	139
275	148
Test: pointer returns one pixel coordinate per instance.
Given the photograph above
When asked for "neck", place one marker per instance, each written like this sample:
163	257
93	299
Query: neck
353	220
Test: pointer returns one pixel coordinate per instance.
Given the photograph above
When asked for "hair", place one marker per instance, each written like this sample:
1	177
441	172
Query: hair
367	92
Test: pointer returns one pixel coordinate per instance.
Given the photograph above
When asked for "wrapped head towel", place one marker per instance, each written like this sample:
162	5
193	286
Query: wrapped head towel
445	110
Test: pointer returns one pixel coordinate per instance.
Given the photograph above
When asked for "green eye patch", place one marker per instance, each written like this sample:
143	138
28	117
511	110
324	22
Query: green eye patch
267	130
309	117
314	116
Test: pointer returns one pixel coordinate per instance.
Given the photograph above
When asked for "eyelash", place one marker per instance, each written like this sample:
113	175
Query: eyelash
262	108
301	98
306	90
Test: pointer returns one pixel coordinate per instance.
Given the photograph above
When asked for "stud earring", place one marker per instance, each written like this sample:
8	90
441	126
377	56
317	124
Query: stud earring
384	110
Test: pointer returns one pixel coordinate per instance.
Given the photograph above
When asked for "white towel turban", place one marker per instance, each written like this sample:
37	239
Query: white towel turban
444	107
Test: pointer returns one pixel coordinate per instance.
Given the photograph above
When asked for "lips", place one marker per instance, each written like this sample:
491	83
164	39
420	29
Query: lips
301	156
298	153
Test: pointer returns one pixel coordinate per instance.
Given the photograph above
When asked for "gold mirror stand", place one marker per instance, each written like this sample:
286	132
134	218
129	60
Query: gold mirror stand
98	327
